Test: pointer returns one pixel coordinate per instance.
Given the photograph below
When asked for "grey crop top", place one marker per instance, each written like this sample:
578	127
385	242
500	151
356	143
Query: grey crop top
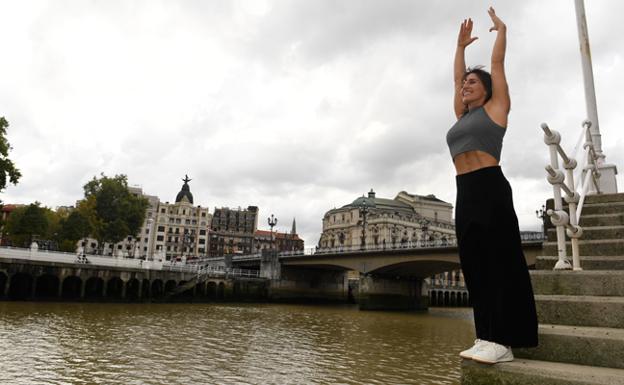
476	131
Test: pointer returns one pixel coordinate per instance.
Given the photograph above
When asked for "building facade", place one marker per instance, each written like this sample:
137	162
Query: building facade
382	222
233	231
178	230
282	242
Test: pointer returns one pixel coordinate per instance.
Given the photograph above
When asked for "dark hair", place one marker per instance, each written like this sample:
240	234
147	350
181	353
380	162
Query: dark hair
485	78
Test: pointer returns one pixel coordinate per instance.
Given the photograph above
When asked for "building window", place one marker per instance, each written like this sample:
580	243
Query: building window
202	241
146	231
161	228
202	232
160	238
203	215
162	211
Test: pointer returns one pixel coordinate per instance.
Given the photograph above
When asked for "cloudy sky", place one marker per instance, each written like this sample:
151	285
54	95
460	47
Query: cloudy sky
295	106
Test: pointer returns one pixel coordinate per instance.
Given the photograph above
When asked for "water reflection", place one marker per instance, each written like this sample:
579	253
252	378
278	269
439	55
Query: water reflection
60	343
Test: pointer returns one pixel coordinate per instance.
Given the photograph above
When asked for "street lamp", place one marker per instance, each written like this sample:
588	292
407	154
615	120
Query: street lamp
363	210
272	222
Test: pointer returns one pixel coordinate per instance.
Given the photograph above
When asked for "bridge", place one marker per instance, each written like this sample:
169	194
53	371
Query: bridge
389	277
386	277
32	274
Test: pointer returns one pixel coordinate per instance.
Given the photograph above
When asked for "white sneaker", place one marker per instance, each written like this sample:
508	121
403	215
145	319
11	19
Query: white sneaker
468	353
492	353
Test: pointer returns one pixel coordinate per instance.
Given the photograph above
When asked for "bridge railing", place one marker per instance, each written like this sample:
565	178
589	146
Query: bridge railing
211	270
64	257
568	222
438	243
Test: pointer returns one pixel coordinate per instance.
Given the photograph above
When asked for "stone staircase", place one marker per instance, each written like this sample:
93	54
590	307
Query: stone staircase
581	313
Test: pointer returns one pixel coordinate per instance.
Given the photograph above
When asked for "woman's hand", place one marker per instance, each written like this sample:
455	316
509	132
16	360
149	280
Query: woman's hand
498	23
465	31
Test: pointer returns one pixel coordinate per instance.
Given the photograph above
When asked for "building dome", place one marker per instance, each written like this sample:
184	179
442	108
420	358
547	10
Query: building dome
185	192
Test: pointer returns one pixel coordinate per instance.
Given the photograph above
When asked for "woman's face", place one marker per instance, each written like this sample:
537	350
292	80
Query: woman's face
473	91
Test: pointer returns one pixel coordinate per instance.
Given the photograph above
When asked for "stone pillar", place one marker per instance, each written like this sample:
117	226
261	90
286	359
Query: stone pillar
104	288
140	289
123	289
385	293
83	288
60	288
270	266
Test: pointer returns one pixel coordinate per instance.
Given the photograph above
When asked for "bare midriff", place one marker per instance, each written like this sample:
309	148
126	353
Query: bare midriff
473	160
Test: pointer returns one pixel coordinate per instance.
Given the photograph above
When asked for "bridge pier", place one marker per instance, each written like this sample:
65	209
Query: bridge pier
270	266
386	293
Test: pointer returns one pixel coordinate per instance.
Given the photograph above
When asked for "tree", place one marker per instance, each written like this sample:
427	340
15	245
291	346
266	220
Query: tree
72	229
28	223
112	210
7	168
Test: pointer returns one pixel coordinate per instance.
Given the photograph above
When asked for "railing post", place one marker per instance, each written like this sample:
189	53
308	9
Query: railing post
556	177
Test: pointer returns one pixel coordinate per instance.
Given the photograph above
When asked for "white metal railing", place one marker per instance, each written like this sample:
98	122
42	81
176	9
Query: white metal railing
210	270
587	179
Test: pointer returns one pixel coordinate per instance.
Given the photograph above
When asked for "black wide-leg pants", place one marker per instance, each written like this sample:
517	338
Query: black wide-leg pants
492	260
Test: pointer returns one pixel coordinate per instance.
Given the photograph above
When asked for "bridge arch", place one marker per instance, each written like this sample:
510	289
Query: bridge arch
114	288
170	286
20	286
47	287
433	298
71	287
453	299
133	289
94	288
211	290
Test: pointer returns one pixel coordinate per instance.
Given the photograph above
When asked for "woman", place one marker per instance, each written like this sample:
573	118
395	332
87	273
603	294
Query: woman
490	249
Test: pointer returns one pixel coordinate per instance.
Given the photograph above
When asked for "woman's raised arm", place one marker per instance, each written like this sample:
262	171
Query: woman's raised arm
459	67
500	103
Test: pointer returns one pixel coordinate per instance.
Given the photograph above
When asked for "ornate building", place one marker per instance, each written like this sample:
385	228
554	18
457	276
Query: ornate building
388	222
172	230
233	231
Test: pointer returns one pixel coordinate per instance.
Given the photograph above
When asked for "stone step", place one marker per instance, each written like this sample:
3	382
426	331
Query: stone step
532	372
587	263
589	247
586	282
579	310
604	198
603	208
594	233
616	219
581	345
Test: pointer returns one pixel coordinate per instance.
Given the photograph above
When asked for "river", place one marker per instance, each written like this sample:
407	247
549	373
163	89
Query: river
89	343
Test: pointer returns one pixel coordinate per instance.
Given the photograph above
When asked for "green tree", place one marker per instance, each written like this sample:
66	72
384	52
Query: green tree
112	210
8	172
73	228
28	223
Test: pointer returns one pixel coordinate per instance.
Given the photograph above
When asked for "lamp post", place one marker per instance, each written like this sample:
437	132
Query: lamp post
272	222
363	211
